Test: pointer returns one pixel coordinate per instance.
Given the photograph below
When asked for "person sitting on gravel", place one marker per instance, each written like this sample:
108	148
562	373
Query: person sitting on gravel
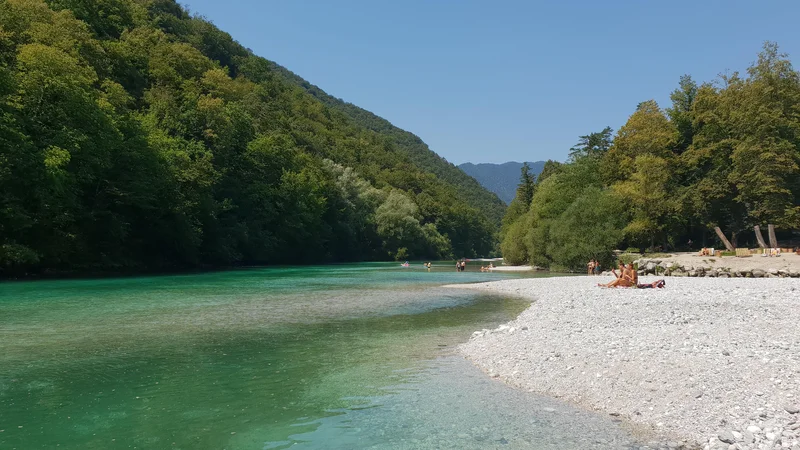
624	279
633	276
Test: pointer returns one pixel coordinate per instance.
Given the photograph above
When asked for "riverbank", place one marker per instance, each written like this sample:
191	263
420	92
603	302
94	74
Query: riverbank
513	268
711	363
691	265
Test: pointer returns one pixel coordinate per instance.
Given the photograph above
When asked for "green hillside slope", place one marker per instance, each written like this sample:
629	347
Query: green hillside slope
469	190
135	136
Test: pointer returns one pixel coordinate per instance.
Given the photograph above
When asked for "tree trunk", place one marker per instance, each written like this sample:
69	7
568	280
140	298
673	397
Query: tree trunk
760	237
725	240
773	242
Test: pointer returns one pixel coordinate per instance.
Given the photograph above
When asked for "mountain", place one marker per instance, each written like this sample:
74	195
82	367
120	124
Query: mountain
502	179
135	136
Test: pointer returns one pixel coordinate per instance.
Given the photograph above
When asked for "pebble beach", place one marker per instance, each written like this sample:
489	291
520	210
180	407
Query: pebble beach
706	363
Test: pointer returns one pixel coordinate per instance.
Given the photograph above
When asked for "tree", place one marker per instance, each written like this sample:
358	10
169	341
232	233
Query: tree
550	168
526	185
766	161
593	144
680	113
398	224
590	228
646	194
647	131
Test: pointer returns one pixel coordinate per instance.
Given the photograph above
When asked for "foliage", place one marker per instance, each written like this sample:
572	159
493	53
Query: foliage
593	144
134	136
724	154
467	189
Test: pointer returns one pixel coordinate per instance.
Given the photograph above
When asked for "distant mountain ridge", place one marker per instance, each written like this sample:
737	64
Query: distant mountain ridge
502	179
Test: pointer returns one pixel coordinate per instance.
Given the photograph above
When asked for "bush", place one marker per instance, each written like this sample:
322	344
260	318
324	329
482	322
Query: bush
589	228
513	245
628	258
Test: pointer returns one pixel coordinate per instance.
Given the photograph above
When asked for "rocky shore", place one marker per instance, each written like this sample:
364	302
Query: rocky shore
705	363
686	265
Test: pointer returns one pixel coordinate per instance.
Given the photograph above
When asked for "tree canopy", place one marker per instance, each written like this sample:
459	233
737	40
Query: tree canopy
135	136
725	153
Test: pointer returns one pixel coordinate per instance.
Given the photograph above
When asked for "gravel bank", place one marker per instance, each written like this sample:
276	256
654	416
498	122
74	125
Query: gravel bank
712	363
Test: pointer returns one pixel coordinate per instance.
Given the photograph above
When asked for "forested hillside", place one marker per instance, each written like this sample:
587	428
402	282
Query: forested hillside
725	153
469	190
500	178
135	136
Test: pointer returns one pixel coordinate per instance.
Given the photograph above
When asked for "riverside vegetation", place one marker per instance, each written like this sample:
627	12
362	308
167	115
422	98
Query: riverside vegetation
135	136
725	153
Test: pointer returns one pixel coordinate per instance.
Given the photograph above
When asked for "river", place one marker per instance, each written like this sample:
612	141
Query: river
342	356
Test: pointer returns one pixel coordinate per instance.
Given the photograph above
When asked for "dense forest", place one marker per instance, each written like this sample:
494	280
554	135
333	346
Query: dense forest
725	153
135	136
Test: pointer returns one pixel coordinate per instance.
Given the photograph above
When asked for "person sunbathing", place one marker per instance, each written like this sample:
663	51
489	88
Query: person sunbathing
624	279
633	275
655	284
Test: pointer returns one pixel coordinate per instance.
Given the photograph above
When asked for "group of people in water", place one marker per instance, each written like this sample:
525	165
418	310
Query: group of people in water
593	268
628	277
462	266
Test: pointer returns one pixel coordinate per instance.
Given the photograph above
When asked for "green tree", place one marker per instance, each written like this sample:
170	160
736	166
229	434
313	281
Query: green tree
680	114
590	228
526	185
646	194
593	144
647	131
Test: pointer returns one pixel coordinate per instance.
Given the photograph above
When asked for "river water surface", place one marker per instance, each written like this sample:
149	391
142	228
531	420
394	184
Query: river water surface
344	356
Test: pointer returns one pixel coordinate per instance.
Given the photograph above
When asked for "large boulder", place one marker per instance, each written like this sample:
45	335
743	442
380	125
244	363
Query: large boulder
757	273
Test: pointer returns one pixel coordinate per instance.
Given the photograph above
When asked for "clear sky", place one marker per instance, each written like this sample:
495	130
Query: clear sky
496	81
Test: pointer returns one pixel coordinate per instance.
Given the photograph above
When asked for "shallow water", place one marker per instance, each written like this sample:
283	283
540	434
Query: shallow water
346	356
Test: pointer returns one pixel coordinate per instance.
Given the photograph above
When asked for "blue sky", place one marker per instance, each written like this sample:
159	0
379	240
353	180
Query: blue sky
496	81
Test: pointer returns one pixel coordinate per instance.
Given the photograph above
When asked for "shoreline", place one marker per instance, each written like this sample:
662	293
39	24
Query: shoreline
713	363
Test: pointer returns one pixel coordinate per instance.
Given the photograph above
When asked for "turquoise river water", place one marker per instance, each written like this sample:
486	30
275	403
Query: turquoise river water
341	357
